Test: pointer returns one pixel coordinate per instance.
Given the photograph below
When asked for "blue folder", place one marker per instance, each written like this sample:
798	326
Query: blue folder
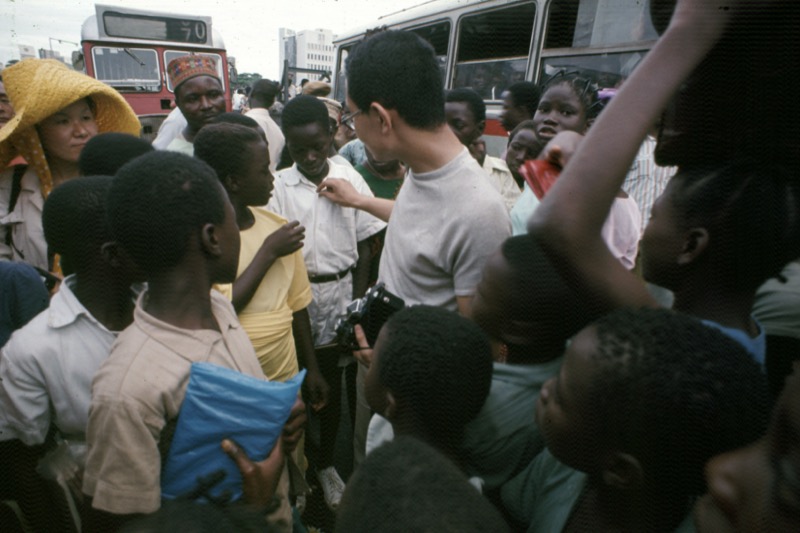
221	403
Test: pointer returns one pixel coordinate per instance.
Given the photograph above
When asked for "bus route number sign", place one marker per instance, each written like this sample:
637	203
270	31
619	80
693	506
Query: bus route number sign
182	30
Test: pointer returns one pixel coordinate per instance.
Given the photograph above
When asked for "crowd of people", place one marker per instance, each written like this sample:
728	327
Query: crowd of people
599	328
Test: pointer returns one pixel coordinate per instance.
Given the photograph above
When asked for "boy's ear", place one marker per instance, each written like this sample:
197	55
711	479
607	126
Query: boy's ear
622	471
384	115
695	243
391	406
209	240
231	183
111	254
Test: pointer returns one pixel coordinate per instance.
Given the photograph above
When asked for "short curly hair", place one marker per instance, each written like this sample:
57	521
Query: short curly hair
674	393
439	365
224	145
302	110
74	220
157	201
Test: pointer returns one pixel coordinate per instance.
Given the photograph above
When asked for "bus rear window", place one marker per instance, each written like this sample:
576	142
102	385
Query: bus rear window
493	49
598	23
603	40
127	69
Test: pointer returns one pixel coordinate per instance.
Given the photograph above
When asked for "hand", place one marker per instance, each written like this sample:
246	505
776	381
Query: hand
710	16
259	479
339	191
316	390
363	355
293	428
561	148
286	240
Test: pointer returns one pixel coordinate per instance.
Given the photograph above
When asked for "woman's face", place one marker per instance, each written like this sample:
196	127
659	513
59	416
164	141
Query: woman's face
65	133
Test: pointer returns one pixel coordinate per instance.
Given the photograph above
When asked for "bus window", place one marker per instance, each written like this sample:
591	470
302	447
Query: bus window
341	74
169	55
600	39
127	69
438	35
493	49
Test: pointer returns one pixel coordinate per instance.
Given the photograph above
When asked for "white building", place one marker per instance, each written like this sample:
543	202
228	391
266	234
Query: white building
307	49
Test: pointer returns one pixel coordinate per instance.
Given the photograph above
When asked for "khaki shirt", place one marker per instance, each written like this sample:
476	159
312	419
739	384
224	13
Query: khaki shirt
24	222
138	390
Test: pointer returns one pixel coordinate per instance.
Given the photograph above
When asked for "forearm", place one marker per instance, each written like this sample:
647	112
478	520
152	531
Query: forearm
246	285
301	330
378	207
361	272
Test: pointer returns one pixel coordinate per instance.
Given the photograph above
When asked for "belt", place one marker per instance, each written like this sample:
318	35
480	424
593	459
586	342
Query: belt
326	278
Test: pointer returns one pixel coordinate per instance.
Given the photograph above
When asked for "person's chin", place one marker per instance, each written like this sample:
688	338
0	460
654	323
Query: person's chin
709	518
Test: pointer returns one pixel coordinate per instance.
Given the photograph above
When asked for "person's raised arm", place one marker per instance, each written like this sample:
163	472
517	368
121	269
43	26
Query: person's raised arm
342	192
568	221
284	241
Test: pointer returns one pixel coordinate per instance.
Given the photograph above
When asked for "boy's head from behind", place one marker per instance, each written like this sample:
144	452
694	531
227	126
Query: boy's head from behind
104	154
307	129
165	205
430	375
397	70
738	222
523	301
644	398
75	222
405	485
239	156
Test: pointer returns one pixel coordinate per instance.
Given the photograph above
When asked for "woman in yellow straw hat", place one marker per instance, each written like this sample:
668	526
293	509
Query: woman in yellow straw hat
57	111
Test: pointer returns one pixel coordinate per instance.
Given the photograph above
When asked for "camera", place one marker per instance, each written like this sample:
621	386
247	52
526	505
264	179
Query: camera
371	312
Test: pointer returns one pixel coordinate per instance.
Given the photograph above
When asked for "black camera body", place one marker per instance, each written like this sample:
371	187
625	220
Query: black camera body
371	312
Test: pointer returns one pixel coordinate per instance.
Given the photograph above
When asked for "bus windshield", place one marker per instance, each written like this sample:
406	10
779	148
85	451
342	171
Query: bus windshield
127	69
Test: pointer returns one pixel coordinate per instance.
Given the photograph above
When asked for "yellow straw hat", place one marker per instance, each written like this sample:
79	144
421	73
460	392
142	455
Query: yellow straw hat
38	88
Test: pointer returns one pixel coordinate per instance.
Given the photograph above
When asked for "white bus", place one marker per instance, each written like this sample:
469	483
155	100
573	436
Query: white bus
489	44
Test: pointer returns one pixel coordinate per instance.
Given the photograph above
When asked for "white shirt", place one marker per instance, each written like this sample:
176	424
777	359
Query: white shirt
275	138
502	180
332	231
172	126
47	369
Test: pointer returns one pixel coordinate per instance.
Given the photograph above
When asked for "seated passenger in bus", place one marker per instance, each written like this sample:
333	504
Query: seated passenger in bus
198	94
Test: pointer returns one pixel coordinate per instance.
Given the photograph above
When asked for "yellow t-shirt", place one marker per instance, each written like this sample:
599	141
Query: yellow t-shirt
283	290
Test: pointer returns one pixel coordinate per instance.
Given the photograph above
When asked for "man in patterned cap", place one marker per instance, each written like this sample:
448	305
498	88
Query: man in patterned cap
198	94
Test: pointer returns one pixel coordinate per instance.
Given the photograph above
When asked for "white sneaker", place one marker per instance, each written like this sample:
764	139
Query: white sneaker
332	486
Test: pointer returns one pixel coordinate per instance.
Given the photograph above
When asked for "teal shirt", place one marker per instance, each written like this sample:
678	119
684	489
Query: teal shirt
544	495
503	439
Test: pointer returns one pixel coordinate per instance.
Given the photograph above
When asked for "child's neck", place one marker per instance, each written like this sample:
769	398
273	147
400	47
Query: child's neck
107	298
244	217
732	309
602	509
181	297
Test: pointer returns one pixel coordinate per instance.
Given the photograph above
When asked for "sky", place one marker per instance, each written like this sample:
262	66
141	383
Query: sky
248	27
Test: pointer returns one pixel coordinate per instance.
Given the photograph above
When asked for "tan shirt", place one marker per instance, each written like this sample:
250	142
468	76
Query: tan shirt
502	180
138	390
24	222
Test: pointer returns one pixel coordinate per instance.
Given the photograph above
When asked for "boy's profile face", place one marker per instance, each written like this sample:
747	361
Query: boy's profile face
309	146
662	240
256	181
564	411
756	488
462	122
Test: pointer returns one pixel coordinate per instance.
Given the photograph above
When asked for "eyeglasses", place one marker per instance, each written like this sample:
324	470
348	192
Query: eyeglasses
347	119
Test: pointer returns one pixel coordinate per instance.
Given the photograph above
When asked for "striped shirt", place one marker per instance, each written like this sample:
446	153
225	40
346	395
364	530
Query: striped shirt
646	181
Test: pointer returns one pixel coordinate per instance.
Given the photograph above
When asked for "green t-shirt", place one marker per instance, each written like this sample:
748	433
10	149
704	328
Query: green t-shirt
380	187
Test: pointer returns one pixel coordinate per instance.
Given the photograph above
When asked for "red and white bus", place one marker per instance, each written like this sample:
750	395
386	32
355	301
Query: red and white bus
129	49
489	44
